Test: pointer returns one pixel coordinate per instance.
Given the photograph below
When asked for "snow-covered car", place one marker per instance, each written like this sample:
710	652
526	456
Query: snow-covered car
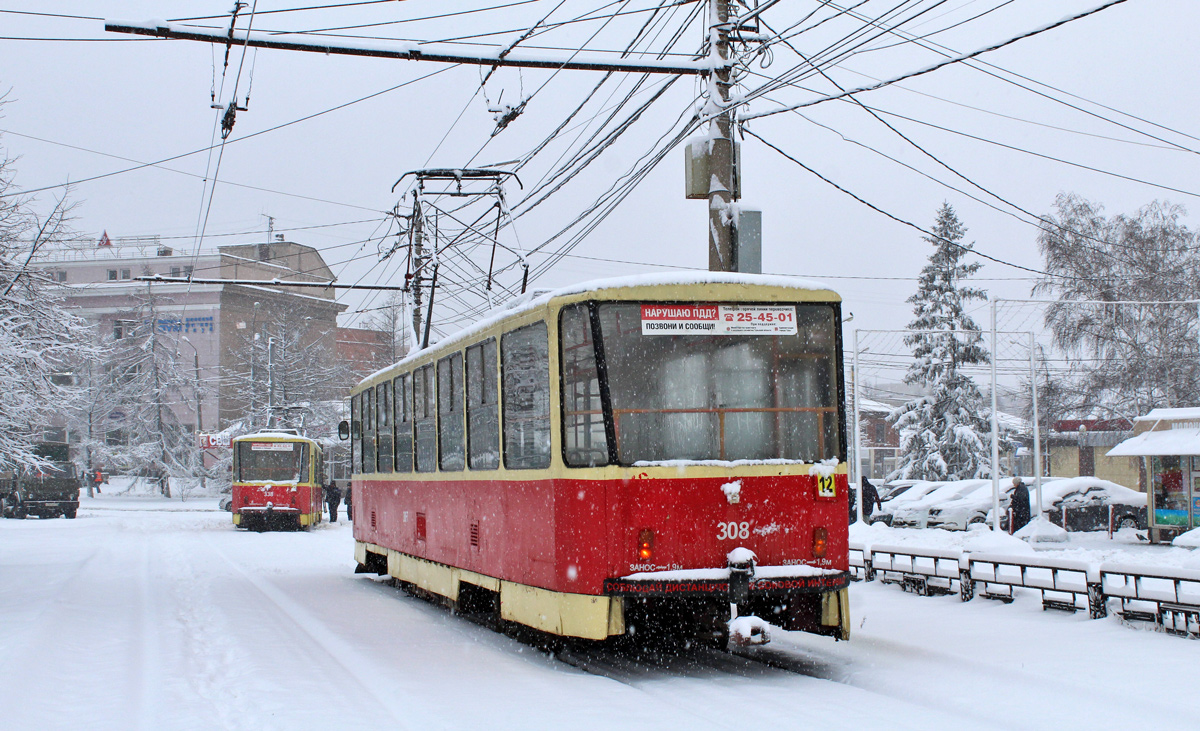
976	506
898	494
1083	503
916	513
225	503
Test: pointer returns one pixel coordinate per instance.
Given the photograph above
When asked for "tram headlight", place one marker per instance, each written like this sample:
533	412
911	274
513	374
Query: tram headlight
820	542
645	544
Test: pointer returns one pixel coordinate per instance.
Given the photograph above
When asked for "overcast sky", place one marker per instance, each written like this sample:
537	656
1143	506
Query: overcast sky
81	108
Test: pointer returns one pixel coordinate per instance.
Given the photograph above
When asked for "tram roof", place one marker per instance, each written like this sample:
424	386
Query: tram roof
539	298
274	436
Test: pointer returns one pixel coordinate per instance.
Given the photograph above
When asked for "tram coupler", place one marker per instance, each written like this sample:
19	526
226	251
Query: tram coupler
741	570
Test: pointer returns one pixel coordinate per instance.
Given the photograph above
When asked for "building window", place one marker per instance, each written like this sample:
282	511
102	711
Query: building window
61	276
122	328
880	433
175	271
125	274
112	275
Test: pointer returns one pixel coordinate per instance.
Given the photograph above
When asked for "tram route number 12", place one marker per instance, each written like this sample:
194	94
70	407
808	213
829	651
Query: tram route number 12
825	486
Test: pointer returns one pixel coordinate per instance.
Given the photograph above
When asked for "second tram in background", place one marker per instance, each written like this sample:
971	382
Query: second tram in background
277	481
622	457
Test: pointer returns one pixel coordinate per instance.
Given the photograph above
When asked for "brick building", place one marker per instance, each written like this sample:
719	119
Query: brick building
207	322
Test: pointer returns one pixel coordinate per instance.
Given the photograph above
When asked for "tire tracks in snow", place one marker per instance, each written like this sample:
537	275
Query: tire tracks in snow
350	664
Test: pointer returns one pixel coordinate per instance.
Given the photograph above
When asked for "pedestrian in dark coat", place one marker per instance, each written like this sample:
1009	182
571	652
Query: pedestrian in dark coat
348	493
333	498
870	499
1018	506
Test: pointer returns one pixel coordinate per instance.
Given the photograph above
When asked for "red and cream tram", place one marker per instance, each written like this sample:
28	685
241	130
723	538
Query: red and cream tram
276	481
619	457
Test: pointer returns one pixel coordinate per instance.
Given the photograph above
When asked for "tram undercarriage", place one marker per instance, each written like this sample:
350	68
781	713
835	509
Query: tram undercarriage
701	617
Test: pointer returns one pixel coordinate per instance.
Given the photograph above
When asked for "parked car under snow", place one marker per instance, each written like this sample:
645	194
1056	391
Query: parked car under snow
1083	503
918	512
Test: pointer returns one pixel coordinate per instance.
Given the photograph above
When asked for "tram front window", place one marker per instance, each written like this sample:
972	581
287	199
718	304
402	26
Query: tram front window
720	381
272	462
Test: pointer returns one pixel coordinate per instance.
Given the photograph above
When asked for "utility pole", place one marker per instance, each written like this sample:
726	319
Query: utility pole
722	242
417	259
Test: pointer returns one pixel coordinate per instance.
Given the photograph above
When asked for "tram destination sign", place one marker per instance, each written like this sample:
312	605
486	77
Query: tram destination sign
271	447
718	319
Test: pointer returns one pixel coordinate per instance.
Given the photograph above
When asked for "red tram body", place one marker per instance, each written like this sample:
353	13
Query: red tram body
587	462
276	481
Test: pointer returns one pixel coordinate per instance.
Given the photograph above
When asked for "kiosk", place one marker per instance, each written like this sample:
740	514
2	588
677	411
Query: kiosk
1168	441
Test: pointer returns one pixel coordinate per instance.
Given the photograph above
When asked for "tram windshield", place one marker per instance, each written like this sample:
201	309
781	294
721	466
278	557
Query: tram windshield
701	382
272	462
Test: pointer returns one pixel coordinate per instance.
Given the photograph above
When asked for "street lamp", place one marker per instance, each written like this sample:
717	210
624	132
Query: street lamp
196	364
199	418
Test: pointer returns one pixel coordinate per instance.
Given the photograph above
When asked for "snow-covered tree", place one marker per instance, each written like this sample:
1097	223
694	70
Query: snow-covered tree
394	320
943	434
146	385
38	337
286	373
1131	357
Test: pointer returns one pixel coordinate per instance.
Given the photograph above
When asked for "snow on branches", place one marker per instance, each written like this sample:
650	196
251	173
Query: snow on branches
942	432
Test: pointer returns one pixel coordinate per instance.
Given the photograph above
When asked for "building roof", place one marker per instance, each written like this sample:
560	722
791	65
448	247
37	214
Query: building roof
1188	414
1169	442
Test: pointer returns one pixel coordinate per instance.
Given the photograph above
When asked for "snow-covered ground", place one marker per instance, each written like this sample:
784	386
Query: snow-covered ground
145	613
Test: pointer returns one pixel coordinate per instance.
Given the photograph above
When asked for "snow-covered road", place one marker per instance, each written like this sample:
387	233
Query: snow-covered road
138	617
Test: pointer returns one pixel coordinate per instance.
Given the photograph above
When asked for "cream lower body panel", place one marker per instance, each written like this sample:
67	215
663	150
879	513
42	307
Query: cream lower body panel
569	615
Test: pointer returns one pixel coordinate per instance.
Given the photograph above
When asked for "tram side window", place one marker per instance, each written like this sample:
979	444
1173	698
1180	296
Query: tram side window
525	356
355	432
483	411
404	426
585	443
425	419
368	456
383	430
450	413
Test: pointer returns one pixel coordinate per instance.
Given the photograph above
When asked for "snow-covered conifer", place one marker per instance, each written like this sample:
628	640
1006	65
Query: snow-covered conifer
943	434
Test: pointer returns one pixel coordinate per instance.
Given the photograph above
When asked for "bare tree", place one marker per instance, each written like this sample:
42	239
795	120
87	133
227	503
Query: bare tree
1130	357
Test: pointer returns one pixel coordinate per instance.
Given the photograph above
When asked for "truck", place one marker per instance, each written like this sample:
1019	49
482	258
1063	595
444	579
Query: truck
48	491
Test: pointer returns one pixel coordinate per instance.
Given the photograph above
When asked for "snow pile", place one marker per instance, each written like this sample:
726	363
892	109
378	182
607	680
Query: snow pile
1042	531
1190	539
824	468
733	491
748	631
741	556
984	540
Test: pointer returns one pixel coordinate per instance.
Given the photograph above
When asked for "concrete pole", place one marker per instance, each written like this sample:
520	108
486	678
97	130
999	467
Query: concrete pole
995	434
856	472
417	257
721	254
1037	437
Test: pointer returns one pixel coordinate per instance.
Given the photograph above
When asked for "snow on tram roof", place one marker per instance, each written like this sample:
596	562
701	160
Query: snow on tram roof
275	435
537	298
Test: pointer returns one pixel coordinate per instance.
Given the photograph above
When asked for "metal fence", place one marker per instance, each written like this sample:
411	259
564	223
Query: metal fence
1170	598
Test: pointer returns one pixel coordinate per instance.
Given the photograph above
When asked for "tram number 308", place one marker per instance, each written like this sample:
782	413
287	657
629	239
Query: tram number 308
733	530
